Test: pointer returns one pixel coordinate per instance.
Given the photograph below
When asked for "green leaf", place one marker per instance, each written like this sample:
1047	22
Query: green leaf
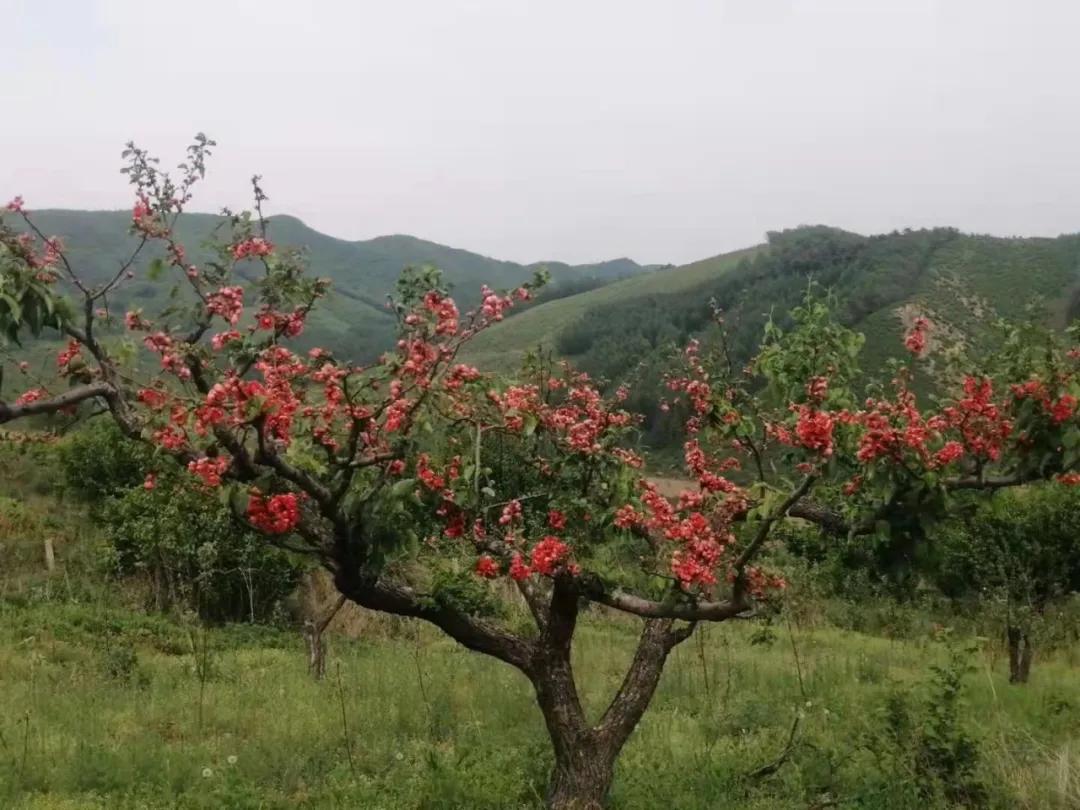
403	487
157	267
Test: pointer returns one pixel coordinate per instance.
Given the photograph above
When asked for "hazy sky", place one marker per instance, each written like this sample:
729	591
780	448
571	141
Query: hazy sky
666	131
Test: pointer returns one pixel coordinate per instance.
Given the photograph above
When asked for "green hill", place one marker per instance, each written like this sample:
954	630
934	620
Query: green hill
354	317
962	282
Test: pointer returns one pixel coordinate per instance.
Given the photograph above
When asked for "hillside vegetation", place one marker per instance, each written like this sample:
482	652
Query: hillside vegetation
962	283
354	319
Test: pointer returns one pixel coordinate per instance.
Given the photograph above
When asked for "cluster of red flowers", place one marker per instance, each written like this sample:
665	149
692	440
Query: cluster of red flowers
290	324
510	513
253	246
445	311
171	360
69	353
134	321
277	514
487	567
228	303
548	554
581	421
427	476
33	395
209	470
982	425
814	430
699	525
493	305
16	205
1060	409
556	520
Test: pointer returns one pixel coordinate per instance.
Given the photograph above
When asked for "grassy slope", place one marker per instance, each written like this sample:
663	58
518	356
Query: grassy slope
503	346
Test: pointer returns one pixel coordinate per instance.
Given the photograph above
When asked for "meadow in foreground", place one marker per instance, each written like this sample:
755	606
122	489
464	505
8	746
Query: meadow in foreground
108	708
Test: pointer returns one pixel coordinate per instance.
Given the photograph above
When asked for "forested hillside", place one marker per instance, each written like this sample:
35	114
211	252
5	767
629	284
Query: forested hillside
961	282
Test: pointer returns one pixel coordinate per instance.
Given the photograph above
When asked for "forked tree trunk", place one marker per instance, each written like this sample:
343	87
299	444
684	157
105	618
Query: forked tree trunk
585	755
1020	652
584	763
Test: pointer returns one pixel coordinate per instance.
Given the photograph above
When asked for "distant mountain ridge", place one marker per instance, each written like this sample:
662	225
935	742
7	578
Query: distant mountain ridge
363	272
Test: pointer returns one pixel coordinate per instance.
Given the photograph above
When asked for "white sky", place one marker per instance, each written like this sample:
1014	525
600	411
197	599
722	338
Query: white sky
580	130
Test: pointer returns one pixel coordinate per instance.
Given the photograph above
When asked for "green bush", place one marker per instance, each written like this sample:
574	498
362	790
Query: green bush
195	553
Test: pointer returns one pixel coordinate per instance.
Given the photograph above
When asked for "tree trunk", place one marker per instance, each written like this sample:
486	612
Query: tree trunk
582	777
584	762
1020	652
585	755
316	650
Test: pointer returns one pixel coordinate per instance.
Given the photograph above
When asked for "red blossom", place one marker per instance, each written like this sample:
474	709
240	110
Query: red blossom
209	470
277	514
547	554
487	567
518	569
33	395
252	247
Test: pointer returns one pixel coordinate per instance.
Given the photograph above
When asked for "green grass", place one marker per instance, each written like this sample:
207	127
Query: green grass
102	706
416	722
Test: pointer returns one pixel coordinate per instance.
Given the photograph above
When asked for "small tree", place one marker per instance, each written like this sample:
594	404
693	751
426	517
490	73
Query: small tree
1022	548
399	475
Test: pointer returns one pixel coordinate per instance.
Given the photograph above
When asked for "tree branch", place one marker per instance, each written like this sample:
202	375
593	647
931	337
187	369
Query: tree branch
472	632
74	396
689	611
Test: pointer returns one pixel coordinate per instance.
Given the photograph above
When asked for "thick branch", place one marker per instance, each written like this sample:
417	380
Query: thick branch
475	633
71	397
690	611
636	691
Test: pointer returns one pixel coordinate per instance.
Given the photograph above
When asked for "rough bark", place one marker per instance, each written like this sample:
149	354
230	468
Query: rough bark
1020	653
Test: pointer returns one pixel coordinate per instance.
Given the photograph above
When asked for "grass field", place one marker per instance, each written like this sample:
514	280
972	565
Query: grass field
105	708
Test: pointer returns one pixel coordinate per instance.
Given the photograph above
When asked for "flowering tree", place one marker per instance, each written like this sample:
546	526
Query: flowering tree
418	481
